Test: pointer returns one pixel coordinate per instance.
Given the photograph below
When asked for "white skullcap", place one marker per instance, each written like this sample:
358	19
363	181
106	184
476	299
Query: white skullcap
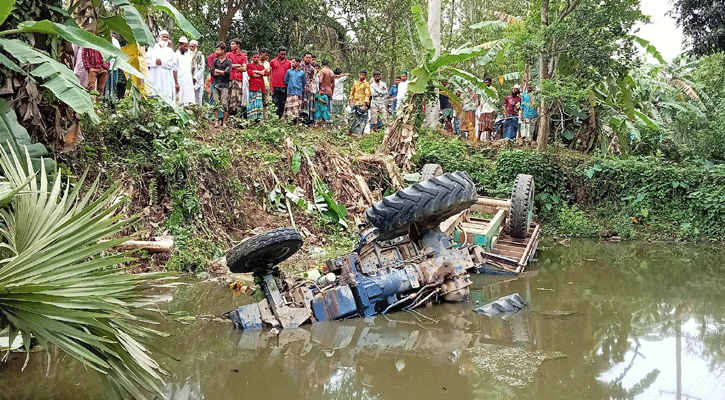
193	42
183	39
163	31
516	86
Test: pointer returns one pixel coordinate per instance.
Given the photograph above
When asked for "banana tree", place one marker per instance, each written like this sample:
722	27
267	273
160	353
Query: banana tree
21	58
399	140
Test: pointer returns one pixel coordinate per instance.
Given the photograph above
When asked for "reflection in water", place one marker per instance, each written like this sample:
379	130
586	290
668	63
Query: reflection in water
604	321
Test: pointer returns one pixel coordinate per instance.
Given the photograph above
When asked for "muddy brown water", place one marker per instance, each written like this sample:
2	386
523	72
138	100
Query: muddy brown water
605	320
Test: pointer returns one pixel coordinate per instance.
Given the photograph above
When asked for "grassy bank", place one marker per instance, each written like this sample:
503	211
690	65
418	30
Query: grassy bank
210	187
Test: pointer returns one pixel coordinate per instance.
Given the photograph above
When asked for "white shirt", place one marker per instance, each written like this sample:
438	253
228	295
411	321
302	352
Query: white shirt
402	92
378	91
162	76
338	93
185	95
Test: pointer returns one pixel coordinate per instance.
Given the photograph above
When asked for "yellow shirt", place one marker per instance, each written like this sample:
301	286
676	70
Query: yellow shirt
360	93
268	69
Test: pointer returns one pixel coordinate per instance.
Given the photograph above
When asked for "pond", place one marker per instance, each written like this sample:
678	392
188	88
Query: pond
605	320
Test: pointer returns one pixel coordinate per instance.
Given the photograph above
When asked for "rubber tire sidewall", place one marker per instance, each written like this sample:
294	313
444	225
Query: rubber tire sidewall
245	257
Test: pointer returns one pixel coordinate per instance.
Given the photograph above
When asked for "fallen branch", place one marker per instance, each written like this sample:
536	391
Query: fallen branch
158	246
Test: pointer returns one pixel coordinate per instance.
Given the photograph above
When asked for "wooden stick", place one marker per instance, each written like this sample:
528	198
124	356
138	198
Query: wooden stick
159	246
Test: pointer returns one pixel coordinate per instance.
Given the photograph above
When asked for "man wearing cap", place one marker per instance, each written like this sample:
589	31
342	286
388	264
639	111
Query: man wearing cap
162	67
197	71
378	91
185	79
511	106
402	89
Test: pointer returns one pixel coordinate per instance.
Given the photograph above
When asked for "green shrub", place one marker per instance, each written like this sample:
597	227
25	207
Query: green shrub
572	222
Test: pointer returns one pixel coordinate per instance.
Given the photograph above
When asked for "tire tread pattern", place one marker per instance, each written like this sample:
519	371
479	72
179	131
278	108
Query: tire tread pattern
430	171
426	203
521	205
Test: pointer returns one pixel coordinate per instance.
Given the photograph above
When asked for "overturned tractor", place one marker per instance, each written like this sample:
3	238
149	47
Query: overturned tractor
403	260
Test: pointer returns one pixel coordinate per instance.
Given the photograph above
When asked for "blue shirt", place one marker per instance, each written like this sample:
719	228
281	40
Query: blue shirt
295	81
528	110
393	92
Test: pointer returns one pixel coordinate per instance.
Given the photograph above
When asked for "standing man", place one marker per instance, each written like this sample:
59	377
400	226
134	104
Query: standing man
264	60
256	73
486	114
393	93
162	67
338	94
221	70
378	93
359	97
236	79
446	110
97	71
529	115
309	90
197	71
279	67
294	80
511	106
184	75
402	89
327	87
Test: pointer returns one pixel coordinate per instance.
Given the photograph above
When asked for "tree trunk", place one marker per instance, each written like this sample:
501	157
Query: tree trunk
226	20
434	30
544	118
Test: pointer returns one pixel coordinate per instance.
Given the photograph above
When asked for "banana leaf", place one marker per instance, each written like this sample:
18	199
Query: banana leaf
135	22
461	54
184	23
55	76
6	7
422	28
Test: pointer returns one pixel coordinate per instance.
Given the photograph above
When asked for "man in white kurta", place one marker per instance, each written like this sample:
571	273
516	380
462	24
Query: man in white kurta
162	64
197	71
185	95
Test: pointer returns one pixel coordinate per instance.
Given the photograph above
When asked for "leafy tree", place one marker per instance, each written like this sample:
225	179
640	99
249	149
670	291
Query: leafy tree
703	23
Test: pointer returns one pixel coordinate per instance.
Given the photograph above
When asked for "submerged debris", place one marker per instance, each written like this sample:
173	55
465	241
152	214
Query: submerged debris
514	366
512	303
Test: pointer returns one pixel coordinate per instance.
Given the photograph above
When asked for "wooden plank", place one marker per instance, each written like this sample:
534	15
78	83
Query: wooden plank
518	248
494	228
533	238
502	258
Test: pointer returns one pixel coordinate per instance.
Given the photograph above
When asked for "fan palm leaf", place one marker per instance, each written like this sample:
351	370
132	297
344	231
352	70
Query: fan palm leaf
62	287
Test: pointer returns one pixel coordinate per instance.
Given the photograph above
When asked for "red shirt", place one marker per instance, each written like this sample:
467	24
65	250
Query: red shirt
256	84
210	60
510	104
279	69
240	58
93	59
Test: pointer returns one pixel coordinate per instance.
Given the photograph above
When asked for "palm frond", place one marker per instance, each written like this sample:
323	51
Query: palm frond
62	287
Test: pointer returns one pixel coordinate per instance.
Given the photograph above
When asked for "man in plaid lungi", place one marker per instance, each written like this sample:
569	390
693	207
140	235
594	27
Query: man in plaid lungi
295	80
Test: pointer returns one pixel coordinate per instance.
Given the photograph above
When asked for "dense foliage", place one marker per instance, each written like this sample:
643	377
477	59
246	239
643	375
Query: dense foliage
703	23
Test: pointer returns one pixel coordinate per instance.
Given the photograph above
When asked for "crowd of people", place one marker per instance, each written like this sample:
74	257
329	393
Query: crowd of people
301	89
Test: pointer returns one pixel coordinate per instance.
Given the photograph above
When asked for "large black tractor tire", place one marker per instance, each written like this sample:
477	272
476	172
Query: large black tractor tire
522	206
425	204
430	171
264	251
